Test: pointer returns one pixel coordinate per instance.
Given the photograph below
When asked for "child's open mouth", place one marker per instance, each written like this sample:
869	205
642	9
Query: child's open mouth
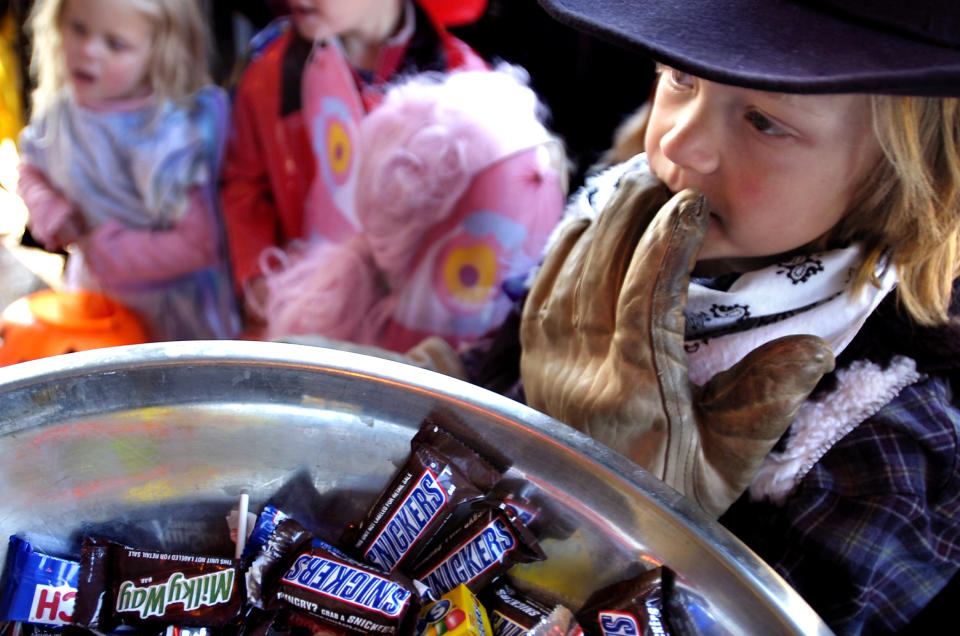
83	77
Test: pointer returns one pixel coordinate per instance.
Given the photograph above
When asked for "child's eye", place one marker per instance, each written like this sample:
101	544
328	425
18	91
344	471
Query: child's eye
679	78
765	125
77	28
116	45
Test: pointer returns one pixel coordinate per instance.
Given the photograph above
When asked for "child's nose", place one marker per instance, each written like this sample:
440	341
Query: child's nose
691	142
90	47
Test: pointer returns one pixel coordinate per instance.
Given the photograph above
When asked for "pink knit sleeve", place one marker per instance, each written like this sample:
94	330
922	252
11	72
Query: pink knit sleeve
48	210
119	254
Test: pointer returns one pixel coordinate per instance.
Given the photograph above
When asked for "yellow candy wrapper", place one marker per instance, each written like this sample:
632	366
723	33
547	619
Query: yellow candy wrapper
457	613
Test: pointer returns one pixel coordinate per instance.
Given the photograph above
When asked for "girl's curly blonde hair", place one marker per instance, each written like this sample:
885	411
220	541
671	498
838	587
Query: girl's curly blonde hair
181	48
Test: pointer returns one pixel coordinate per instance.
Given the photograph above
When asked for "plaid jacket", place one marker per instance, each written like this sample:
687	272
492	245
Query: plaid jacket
872	533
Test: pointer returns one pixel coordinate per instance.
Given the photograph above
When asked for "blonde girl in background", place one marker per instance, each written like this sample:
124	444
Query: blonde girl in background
120	158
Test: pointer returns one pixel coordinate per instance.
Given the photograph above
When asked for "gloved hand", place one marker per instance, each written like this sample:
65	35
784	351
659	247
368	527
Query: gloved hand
602	338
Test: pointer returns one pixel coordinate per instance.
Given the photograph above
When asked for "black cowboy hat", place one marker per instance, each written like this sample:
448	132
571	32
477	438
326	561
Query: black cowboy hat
797	46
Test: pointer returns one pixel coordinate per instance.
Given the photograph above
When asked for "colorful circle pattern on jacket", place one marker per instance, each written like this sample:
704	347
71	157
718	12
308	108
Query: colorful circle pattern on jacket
469	267
335	142
468	272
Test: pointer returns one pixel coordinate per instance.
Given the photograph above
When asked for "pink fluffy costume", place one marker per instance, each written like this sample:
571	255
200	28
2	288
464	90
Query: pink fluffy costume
458	184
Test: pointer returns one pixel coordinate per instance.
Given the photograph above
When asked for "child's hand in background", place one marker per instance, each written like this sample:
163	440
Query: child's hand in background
72	228
54	221
255	293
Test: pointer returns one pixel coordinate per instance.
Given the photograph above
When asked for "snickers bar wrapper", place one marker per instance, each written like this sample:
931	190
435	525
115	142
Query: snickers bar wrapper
440	475
478	551
347	594
635	605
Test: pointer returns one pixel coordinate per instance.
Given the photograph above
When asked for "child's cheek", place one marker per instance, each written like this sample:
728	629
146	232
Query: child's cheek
746	194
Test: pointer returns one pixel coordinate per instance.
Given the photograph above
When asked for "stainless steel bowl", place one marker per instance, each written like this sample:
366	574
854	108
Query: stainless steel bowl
161	439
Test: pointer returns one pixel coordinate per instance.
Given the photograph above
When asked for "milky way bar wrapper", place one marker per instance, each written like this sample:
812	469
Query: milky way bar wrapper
347	594
120	585
635	605
477	551
440	475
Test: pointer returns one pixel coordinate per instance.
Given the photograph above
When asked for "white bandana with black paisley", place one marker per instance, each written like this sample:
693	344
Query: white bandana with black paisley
804	295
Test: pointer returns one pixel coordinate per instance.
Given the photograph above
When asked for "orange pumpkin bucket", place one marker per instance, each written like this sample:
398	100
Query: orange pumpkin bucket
51	322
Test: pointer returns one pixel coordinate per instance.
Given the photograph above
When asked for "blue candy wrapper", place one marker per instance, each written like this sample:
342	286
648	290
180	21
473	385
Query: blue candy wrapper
38	588
266	523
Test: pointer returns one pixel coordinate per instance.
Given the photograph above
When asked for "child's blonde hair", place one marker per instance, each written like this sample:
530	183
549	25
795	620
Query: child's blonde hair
179	61
909	205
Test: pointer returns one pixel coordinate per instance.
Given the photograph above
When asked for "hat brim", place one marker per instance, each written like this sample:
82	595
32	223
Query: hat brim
775	45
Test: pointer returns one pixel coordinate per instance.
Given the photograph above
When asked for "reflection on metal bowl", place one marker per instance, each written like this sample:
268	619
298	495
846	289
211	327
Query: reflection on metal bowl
164	437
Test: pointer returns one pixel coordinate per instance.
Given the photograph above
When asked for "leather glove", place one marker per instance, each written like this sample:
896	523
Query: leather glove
602	338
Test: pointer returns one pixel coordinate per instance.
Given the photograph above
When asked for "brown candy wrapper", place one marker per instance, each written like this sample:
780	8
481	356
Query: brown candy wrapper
636	605
279	550
120	585
309	578
284	622
345	594
511	612
532	507
313	627
478	550
440	476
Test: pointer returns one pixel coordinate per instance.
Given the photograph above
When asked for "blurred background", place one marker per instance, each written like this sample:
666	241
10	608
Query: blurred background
588	86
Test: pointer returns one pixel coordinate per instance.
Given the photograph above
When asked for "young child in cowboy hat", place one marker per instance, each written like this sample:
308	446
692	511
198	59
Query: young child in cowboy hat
796	214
